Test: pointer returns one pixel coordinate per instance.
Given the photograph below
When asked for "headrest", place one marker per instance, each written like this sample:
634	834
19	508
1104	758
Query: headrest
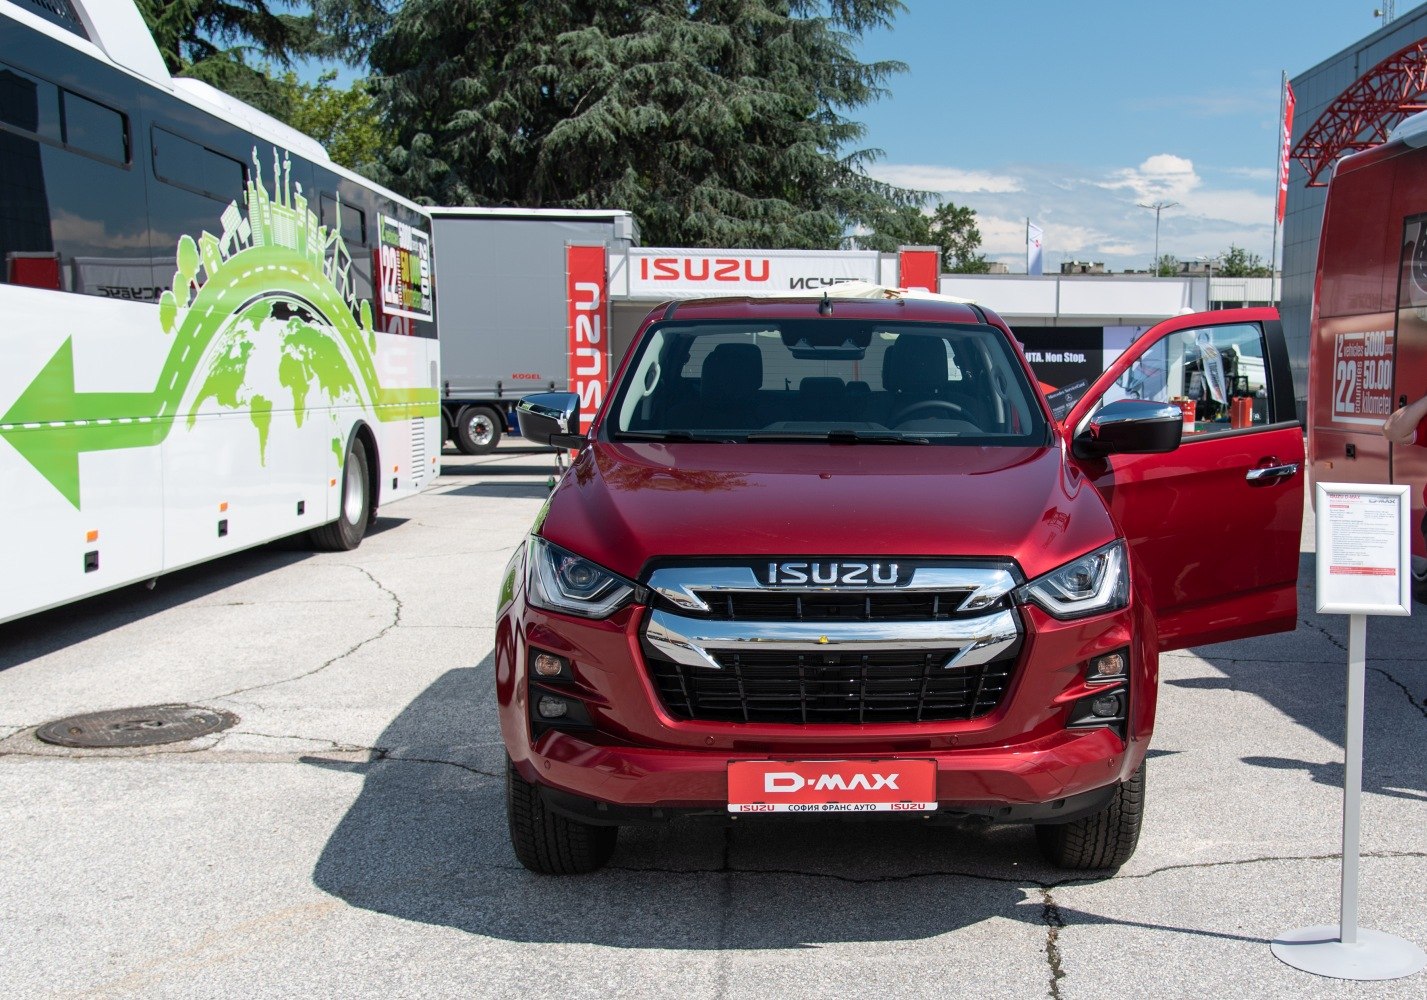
915	363
859	388
732	370
820	388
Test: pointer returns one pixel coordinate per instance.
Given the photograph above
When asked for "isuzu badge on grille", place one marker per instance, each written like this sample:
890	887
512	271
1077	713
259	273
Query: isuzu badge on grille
833	574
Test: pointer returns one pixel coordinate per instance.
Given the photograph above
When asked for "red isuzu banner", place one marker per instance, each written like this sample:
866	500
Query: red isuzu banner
1287	140
587	317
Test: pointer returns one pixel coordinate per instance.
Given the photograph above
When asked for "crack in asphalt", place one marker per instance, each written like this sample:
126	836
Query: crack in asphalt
1054	921
385	755
1310	624
1404	689
394	623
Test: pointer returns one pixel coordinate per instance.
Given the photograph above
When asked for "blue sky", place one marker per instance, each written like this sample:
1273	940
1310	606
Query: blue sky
1071	113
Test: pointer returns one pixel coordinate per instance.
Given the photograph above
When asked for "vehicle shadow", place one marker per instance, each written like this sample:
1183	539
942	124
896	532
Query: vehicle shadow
1305	677
426	841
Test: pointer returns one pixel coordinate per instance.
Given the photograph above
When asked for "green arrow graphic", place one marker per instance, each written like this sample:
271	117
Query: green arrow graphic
279	254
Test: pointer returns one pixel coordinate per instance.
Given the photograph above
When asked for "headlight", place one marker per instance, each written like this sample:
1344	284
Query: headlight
559	580
1094	583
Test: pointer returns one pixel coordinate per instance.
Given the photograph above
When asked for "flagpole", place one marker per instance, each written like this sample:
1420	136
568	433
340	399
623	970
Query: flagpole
1028	245
1278	180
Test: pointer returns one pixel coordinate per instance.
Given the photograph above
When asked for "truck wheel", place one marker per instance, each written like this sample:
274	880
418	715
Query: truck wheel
346	532
477	430
549	844
1102	840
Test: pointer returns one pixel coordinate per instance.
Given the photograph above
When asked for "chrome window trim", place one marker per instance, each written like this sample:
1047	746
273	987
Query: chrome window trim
696	641
679	585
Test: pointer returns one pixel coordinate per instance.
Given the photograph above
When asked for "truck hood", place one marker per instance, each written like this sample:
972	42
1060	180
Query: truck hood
623	505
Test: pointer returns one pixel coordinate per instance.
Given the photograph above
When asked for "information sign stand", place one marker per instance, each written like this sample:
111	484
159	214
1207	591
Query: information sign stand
1362	570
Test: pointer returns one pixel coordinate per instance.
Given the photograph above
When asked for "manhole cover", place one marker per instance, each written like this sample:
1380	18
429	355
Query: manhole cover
135	727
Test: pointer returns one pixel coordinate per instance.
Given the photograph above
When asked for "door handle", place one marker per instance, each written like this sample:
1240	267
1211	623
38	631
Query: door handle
1272	472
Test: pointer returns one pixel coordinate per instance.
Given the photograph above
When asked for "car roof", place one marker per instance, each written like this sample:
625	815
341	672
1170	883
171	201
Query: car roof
903	310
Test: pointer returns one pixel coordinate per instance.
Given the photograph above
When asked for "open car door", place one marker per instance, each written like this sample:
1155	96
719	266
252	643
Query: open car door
1214	524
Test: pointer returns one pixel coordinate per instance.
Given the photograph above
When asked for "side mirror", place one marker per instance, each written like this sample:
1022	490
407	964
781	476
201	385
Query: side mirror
551	419
1131	427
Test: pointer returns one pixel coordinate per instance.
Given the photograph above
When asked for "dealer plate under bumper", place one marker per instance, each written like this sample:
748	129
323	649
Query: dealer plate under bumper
831	786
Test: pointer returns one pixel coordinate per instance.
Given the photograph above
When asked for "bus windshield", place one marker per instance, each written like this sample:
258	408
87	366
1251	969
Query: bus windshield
827	380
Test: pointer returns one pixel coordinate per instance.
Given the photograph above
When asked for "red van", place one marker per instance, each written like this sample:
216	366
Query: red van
1368	352
839	557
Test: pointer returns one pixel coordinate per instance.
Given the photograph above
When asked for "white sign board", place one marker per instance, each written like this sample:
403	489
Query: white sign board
664	273
1363	549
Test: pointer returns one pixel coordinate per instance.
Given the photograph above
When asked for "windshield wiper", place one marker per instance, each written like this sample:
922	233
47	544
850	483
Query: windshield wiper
667	436
837	436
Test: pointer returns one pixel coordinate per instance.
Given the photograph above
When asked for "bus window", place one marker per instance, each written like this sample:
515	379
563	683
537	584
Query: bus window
188	165
354	220
29	104
95	129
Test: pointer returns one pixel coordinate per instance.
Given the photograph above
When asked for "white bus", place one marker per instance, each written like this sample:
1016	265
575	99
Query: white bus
210	335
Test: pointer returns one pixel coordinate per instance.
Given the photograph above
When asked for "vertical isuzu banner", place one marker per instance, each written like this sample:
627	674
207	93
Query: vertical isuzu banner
587	316
1283	159
919	267
1035	259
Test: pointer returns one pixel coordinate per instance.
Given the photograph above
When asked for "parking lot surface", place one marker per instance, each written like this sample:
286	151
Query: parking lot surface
347	837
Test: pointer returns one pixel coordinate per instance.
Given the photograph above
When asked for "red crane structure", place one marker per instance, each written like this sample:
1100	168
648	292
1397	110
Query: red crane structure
1361	116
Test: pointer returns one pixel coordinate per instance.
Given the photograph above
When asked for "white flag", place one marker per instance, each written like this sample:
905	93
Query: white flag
1034	262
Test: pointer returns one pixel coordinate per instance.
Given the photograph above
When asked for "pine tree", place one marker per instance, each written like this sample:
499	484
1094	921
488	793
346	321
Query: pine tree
717	122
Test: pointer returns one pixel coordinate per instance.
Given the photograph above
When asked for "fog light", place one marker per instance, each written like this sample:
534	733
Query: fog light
552	708
547	665
1108	667
1102	708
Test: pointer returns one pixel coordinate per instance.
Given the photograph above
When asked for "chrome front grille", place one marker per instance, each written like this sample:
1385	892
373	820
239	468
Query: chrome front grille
939	646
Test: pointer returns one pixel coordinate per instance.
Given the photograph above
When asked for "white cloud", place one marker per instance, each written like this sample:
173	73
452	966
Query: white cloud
945	180
1093	215
1162	177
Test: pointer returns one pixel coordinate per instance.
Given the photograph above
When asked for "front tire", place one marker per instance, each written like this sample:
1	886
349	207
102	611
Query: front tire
477	430
547	843
345	533
1104	840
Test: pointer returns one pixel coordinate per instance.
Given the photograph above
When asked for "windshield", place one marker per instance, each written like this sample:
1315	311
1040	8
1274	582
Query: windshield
827	380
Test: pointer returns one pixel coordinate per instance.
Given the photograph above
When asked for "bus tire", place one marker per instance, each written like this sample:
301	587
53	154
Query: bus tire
478	430
355	509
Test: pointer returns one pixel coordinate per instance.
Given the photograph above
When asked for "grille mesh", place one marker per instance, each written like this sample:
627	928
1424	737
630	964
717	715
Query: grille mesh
834	606
817	687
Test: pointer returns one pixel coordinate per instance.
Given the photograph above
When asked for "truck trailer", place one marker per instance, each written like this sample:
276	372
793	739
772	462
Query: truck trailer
501	285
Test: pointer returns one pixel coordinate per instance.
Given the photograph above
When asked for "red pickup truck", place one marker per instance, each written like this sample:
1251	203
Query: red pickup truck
842	556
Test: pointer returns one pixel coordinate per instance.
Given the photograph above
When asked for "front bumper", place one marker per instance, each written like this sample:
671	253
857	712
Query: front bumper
637	761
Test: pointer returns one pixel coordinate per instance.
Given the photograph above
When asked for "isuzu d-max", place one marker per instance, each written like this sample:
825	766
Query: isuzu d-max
841	556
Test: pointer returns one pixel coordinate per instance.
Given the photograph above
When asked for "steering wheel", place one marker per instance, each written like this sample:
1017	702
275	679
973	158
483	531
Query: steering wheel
926	404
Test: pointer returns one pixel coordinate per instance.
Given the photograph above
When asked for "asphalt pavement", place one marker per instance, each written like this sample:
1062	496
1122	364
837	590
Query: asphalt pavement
347	837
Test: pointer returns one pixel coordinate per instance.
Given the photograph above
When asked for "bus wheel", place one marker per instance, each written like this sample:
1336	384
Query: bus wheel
477	430
346	532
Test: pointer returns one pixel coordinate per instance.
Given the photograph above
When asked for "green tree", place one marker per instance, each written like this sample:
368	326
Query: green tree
227	43
345	121
1168	266
949	227
1236	262
717	122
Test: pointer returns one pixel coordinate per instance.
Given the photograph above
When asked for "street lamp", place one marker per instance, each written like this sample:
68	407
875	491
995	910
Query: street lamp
1209	263
1157	207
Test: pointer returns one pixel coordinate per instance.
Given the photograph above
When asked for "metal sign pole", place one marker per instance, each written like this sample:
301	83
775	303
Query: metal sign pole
1362	539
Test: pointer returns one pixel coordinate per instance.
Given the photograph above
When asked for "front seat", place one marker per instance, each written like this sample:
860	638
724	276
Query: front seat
728	390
